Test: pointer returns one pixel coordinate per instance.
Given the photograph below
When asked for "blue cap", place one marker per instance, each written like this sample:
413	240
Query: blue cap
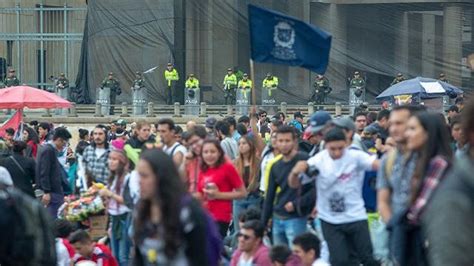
318	120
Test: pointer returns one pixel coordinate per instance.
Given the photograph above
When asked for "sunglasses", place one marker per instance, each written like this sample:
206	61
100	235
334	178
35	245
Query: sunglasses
246	237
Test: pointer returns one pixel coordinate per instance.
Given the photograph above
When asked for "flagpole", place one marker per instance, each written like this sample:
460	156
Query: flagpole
252	74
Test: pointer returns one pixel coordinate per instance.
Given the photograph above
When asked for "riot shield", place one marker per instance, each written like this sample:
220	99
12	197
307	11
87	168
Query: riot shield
103	98
63	93
139	100
192	101
354	99
269	103
242	101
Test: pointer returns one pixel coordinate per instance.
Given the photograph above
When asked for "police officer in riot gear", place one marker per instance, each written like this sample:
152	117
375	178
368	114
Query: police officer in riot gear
192	84
442	77
399	78
114	85
270	83
358	84
321	89
171	77
62	82
230	82
11	80
245	84
138	82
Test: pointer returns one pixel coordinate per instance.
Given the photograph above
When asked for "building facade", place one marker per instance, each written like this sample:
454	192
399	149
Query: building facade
380	38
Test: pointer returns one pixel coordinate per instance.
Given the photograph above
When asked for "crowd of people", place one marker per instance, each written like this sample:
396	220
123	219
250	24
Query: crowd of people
392	187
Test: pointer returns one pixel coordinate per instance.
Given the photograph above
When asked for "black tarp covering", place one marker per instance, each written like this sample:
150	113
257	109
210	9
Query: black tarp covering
123	36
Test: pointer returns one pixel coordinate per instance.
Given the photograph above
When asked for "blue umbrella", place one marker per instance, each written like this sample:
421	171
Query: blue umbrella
420	87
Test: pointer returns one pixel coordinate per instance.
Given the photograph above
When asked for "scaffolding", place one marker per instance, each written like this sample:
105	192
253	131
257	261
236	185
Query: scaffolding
40	42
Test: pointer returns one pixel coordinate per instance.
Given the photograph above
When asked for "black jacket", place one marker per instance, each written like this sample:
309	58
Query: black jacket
23	178
303	199
49	172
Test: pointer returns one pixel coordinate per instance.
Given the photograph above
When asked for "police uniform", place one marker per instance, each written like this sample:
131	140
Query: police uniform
171	76
192	84
442	78
321	90
62	86
115	90
270	83
139	82
230	82
11	81
357	83
399	78
245	84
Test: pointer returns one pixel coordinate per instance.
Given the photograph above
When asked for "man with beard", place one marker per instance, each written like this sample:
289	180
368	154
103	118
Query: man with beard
289	208
96	156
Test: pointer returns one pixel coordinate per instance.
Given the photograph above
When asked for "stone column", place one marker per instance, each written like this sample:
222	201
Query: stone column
428	36
452	45
401	43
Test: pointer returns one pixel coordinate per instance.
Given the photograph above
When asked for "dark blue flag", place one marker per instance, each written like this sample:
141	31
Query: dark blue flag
276	38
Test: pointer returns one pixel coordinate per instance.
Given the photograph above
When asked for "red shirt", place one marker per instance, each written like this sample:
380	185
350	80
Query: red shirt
101	255
69	247
226	178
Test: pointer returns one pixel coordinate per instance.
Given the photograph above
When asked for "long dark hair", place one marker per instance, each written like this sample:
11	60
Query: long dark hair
217	144
437	144
32	135
169	192
254	164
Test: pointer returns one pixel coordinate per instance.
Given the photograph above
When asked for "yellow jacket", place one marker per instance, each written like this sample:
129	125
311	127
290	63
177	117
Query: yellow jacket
243	84
270	83
230	79
171	75
192	83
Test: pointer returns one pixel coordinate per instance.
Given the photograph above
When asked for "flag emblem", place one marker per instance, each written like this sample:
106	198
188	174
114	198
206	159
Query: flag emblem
284	39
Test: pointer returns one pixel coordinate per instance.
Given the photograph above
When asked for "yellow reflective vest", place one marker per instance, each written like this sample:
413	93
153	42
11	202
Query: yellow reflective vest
270	83
171	76
243	84
230	80
191	83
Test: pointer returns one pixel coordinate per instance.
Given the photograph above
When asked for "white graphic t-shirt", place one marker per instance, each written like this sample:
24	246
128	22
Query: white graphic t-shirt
339	185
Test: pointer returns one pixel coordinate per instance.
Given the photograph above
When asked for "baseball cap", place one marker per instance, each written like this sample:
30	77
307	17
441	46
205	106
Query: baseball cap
298	114
122	122
211	122
318	120
344	122
371	129
120	132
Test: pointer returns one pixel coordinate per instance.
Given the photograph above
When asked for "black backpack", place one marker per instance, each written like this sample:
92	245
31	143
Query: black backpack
26	231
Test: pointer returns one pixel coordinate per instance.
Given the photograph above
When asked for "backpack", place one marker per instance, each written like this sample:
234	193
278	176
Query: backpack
214	245
26	232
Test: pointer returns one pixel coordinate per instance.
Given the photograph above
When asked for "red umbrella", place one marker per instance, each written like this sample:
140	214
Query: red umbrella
24	96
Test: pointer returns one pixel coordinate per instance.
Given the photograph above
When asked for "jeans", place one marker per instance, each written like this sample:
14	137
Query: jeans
349	243
119	241
285	230
56	201
239	206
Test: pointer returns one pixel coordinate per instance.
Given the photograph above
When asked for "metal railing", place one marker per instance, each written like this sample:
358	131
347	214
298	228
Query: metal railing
41	41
